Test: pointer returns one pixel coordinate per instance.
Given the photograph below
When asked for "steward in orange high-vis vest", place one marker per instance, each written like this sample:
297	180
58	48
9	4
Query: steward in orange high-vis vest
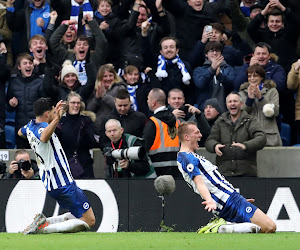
163	152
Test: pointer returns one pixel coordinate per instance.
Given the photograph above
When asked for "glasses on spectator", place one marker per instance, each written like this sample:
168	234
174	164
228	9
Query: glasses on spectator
214	50
73	103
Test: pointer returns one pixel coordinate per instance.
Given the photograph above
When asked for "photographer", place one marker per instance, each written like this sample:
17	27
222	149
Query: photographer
124	168
187	112
22	167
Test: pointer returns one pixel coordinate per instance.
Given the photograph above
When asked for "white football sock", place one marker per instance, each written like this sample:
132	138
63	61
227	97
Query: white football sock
245	227
60	218
69	226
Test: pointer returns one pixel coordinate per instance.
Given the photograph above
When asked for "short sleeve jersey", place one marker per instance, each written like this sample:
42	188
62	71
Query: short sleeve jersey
51	159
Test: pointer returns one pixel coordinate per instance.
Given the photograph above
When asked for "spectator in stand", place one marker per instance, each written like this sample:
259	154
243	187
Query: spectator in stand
76	134
81	48
293	83
261	101
5	32
102	100
133	122
161	139
215	78
24	88
137	89
125	168
187	112
191	16
22	167
246	6
74	10
262	56
232	56
282	28
171	71
38	47
113	29
69	81
4	76
235	138
33	19
212	110
133	39
240	21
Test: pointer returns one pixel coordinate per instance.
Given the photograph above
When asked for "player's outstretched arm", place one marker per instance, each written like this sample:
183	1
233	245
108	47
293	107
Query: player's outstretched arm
48	131
209	202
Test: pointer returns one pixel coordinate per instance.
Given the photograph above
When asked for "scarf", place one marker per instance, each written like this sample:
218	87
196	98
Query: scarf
80	67
162	66
75	9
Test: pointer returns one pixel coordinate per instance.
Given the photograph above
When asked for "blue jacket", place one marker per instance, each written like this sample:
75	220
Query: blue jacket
273	71
204	79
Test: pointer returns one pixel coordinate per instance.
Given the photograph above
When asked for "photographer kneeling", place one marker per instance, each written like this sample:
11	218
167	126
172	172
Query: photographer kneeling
122	163
22	167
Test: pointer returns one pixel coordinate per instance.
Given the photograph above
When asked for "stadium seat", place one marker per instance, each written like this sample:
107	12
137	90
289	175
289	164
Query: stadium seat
10	137
285	134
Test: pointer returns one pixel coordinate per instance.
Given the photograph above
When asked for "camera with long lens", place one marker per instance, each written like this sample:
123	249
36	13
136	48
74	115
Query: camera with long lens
131	153
25	165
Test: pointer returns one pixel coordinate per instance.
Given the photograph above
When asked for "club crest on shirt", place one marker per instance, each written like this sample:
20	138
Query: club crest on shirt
190	167
40	130
248	210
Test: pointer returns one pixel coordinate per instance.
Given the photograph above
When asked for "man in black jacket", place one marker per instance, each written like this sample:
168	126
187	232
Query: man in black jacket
133	122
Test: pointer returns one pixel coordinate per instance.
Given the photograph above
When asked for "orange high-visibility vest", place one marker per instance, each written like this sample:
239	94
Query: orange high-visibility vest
163	143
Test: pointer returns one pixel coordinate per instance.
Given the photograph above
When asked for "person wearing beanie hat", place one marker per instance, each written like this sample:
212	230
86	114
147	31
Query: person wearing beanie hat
212	110
214	103
69	81
68	69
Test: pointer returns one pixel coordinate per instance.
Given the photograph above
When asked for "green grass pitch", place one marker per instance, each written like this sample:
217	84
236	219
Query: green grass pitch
144	240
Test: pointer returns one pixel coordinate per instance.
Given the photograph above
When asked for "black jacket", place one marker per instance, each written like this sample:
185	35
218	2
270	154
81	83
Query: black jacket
68	130
27	91
133	123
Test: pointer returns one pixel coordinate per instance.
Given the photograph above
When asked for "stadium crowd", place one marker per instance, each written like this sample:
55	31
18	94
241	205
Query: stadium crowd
150	65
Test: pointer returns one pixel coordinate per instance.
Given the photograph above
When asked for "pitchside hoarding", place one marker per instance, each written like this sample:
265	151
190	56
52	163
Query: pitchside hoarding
134	205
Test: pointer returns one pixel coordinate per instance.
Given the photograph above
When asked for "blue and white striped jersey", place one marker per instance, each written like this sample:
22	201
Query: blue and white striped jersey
51	159
191	164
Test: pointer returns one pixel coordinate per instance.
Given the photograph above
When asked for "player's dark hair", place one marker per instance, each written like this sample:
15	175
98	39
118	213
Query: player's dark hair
122	94
41	105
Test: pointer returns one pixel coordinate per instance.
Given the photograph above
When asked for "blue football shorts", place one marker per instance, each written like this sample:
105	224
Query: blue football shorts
237	209
72	198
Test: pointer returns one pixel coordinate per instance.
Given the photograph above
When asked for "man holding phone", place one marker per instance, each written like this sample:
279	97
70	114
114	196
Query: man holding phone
186	112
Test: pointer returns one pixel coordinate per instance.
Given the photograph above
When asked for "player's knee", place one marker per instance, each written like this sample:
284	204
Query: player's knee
91	222
270	228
